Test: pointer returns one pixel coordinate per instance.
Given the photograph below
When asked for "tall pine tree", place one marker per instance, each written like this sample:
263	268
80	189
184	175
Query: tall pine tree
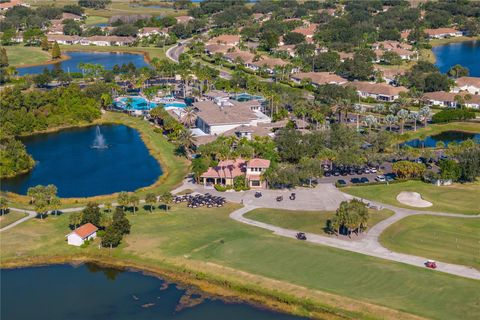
3	58
45	46
56	53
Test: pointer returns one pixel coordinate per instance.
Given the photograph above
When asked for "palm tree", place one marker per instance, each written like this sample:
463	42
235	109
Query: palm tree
342	105
3	205
358	110
186	140
189	116
55	204
414	116
370	121
167	199
134	201
402	116
151	199
390	119
425	113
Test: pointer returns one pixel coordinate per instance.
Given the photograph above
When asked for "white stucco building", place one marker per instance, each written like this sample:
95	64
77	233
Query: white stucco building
78	236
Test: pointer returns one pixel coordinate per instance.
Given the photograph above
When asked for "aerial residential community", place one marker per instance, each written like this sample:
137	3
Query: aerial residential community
238	159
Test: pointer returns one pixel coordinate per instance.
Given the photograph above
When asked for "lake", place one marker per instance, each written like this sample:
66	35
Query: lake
88	161
446	137
91	292
465	53
106	59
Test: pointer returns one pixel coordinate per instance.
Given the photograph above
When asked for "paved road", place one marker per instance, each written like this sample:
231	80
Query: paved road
174	52
368	245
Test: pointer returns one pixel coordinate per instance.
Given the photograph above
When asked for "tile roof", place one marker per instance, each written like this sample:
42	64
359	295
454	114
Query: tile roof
439	31
320	77
226	39
258	163
468	81
85	230
377	88
232	113
450	96
226	169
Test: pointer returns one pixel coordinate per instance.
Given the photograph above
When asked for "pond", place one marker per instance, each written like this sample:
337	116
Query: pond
92	292
106	59
88	161
446	137
465	53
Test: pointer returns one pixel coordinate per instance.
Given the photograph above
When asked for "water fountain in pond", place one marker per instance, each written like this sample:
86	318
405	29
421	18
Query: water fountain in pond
99	141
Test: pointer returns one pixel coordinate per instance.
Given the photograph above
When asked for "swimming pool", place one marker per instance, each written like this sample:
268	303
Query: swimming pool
175	104
247	97
134	103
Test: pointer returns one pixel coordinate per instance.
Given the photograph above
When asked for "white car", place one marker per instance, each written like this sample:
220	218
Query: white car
373	170
381	178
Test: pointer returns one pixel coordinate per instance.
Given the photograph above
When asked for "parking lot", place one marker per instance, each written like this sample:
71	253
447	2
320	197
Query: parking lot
350	177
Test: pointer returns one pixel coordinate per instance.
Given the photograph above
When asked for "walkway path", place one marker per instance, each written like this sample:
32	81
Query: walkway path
368	245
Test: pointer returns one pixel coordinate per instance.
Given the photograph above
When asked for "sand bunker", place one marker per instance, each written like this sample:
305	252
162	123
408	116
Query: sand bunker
413	199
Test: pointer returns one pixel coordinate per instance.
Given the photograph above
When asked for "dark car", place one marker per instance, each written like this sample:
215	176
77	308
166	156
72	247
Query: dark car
344	173
258	194
355	180
364	180
279	198
327	173
341	182
301	236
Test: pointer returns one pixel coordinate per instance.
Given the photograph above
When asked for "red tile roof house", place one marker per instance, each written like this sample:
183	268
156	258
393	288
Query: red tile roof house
468	84
150	31
78	236
227	170
378	91
318	78
447	99
226	39
441	33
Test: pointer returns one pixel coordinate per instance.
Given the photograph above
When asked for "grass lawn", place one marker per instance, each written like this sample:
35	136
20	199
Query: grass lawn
92	20
207	240
458	198
149	52
308	221
454	240
20	55
439	42
11	217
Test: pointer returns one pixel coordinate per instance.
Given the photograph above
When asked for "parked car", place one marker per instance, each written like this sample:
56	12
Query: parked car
364	180
301	236
431	264
381	178
355	180
341	182
327	173
336	173
373	170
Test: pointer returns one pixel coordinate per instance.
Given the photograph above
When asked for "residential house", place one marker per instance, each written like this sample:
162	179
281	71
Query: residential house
107	41
213	48
307	31
225	39
184	19
4	6
451	99
389	75
150	31
71	16
404	50
468	84
56	26
63	39
288	48
214	119
377	91
441	33
318	78
269	64
83	233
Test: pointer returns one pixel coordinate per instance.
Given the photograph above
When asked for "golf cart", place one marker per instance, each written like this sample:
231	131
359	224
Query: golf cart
301	236
258	194
431	264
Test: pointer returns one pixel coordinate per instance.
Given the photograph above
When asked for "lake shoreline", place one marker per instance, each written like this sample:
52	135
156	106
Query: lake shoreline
108	119
64	57
226	290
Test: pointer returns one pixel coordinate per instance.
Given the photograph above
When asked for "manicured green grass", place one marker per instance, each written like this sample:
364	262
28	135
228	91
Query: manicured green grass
208	238
11	217
92	20
308	221
439	42
20	55
454	240
149	52
457	198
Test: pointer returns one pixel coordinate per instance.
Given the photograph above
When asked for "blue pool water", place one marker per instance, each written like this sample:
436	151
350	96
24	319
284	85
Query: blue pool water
137	103
75	161
175	104
106	59
465	53
247	97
